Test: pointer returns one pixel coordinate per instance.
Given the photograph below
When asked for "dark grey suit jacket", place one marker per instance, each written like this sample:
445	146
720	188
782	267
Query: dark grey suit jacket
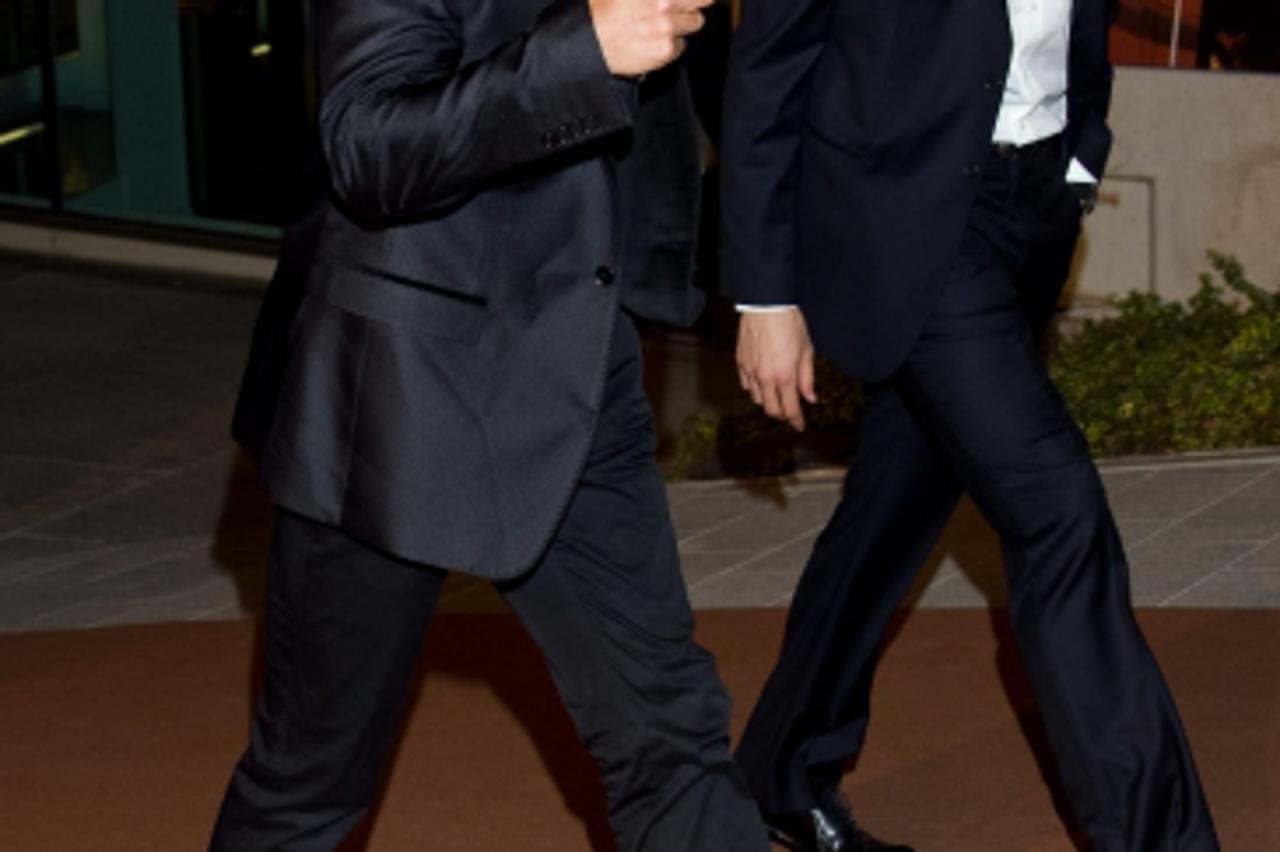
427	368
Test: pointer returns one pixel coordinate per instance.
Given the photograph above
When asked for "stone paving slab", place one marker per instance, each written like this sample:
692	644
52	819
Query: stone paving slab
1265	558
122	499
1205	526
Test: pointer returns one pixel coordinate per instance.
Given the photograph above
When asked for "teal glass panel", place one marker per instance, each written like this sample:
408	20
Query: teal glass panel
26	174
193	113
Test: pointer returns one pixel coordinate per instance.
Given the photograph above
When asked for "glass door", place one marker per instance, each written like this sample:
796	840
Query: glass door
33	34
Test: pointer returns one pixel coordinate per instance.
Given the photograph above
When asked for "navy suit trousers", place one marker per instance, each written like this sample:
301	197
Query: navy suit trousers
972	409
606	605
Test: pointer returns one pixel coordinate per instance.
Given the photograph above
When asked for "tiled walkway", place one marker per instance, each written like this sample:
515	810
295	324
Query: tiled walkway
1201	532
122	499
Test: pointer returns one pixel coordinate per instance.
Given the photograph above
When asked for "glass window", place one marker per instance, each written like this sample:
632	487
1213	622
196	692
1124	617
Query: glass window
193	113
1234	35
86	133
1240	35
247	95
26	171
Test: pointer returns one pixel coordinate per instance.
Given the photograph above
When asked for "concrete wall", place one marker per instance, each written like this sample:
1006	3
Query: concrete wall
152	255
1196	166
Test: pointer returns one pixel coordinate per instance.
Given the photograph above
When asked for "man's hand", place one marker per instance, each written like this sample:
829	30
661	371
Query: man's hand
1086	195
639	36
775	362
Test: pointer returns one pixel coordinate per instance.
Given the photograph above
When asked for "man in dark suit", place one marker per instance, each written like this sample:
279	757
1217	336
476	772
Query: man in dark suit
442	377
903	180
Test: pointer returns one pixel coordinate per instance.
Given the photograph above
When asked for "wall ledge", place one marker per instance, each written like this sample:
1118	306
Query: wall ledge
250	263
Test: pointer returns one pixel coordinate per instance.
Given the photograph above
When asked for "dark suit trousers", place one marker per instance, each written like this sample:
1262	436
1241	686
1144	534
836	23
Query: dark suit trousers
606	605
973	409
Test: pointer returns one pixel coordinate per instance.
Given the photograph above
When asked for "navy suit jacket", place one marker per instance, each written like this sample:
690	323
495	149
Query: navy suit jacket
853	131
427	367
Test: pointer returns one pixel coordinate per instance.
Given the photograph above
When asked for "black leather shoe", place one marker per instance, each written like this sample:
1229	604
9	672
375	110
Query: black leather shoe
829	828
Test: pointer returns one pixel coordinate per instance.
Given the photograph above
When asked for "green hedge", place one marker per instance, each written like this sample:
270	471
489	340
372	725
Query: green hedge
1157	377
1167	376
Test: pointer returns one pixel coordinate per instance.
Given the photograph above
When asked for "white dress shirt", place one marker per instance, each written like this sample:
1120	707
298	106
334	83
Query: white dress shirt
1035	93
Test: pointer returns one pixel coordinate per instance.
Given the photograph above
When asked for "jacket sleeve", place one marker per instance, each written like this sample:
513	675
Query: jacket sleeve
408	130
771	64
1092	103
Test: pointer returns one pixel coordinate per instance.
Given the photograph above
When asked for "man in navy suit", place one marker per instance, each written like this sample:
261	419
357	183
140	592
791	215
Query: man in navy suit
445	375
903	182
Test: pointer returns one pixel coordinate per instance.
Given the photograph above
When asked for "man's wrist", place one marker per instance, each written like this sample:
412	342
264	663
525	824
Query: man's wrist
764	308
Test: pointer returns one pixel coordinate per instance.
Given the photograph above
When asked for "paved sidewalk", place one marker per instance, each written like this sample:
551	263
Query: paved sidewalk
122	499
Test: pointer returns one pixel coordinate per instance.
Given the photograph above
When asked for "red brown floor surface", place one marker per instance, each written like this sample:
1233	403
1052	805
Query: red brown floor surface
119	740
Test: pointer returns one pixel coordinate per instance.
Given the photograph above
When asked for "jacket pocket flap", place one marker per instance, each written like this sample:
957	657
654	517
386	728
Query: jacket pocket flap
423	308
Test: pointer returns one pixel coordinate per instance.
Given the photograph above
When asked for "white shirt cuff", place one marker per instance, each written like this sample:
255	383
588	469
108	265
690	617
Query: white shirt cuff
763	309
1077	173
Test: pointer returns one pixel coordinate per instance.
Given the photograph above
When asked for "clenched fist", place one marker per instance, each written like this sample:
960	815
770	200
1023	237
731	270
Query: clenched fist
639	36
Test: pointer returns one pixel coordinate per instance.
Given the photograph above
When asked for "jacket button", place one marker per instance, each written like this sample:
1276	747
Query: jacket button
604	276
548	141
972	170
